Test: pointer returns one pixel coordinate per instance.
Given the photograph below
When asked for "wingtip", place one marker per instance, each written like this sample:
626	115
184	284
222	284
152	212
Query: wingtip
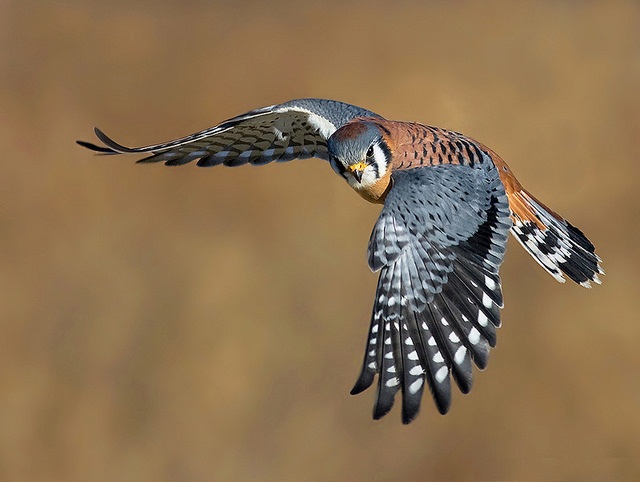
406	420
109	147
380	411
359	387
443	403
95	148
110	143
364	381
410	413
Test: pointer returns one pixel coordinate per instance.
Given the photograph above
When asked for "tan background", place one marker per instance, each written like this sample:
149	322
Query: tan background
189	324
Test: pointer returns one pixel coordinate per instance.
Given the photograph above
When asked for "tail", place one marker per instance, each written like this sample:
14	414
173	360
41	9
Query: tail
560	248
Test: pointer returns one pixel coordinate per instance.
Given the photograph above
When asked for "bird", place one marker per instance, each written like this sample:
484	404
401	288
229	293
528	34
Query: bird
448	205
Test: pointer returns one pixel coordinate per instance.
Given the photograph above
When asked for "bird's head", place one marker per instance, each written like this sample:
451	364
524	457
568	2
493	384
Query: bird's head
359	153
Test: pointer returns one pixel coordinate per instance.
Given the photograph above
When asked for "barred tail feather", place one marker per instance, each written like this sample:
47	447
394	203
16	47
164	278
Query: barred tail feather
559	247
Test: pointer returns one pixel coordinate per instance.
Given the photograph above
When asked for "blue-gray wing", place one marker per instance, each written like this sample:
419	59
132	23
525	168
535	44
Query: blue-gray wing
438	244
297	129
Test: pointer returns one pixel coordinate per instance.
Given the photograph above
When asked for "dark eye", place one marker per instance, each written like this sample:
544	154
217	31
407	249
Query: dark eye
370	152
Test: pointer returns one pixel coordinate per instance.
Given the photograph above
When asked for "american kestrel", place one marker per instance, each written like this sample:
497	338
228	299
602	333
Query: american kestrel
448	205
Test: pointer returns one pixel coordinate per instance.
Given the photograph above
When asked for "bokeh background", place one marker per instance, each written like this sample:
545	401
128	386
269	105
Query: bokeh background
207	324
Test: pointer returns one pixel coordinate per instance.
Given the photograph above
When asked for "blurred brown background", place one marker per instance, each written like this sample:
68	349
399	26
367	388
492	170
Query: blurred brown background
189	324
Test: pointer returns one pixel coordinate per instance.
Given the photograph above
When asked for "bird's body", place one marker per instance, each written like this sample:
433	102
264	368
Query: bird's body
449	203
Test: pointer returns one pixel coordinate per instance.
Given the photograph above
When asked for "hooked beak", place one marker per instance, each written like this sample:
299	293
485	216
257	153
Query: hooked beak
357	170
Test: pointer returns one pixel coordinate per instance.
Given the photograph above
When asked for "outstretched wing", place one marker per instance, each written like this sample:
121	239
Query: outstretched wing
294	130
438	244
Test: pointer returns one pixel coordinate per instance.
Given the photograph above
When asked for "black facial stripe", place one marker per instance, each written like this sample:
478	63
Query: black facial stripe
385	148
375	166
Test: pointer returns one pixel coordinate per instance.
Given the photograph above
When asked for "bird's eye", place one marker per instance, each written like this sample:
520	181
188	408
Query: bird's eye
370	152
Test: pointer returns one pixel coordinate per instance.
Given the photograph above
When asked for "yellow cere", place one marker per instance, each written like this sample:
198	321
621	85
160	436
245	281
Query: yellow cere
360	166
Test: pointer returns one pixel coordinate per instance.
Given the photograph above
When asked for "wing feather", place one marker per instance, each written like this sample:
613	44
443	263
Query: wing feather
297	129
438	244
